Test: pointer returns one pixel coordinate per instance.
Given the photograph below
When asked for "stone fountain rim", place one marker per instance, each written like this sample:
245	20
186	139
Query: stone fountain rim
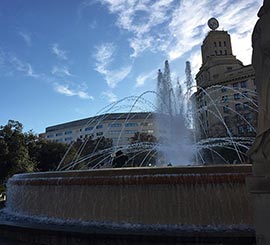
110	172
211	174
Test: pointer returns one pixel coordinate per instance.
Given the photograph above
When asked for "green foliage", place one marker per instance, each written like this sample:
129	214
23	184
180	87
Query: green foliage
142	137
144	158
81	148
14	155
47	154
26	152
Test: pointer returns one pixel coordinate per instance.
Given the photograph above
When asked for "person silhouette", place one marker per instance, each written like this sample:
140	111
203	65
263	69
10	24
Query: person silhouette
120	159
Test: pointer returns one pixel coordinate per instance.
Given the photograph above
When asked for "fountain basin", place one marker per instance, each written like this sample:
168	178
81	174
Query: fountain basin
196	195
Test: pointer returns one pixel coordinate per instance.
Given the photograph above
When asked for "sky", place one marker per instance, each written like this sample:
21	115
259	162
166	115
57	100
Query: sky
63	60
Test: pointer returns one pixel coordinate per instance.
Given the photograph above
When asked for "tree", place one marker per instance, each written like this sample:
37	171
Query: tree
87	149
142	137
144	157
47	154
14	155
26	152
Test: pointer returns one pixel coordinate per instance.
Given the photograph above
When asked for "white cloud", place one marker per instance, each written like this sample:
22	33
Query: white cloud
196	62
179	27
113	77
104	57
60	54
142	78
110	96
141	18
26	37
66	90
241	47
189	29
23	67
61	71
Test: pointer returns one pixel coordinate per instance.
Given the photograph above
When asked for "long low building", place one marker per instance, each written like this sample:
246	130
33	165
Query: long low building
120	127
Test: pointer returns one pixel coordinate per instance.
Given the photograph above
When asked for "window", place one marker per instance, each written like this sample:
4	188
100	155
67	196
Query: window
68	139
50	136
131	124
245	94
99	133
229	68
220	52
219	43
114	132
88	135
89	128
240	129
59	140
235	85
243	84
150	131
225	52
223	89
237	107
226	109
245	105
215	52
249	129
115	125
99	126
224	98
68	132
247	116
225	44
130	131
59	134
215	44
236	96
147	124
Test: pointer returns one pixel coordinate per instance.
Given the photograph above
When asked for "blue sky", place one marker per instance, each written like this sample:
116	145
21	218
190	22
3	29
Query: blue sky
62	60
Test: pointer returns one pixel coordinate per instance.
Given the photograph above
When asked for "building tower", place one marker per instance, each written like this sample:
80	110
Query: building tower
217	58
226	95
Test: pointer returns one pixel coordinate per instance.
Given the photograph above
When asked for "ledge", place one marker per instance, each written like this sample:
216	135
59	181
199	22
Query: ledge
139	176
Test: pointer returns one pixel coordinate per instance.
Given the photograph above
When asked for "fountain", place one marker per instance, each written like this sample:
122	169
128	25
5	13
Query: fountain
171	123
169	199
188	195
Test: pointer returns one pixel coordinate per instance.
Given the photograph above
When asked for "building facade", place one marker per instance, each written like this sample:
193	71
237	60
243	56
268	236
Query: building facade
119	127
226	97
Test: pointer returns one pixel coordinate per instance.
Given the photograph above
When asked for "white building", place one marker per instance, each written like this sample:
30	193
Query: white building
120	127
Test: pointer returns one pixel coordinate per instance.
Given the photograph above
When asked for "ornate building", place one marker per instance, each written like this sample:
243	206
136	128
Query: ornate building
226	95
